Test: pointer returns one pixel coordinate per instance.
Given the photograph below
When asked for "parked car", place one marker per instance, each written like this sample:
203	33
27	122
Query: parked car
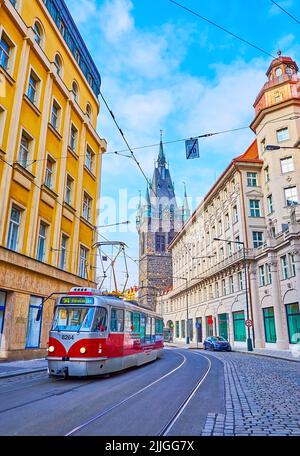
216	343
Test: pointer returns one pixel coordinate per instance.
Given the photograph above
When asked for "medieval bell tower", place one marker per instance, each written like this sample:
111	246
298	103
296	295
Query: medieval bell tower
159	219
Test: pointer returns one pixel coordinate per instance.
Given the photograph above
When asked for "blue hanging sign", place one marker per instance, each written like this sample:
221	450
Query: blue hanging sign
192	148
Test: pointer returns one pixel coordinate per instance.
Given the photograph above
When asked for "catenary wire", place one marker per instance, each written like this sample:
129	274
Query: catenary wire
285	11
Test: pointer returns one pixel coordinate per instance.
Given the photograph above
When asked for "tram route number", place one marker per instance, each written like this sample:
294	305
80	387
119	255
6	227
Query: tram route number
67	336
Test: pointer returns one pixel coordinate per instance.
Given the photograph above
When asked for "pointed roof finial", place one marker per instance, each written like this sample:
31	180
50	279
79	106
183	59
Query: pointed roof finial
161	135
279	52
161	161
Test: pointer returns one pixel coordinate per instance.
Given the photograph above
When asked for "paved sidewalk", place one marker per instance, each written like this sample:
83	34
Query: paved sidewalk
14	368
279	354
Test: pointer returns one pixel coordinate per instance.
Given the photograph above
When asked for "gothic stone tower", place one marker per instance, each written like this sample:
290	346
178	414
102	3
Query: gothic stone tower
159	219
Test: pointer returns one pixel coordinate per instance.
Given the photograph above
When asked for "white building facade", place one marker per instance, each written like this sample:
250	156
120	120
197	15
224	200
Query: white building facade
254	204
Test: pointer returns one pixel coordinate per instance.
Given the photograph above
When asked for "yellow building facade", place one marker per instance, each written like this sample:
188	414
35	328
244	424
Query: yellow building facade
50	168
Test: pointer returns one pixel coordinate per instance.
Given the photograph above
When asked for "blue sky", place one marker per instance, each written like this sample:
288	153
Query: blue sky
163	68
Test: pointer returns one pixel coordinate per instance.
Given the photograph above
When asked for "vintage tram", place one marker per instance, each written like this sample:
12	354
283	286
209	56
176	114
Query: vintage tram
94	333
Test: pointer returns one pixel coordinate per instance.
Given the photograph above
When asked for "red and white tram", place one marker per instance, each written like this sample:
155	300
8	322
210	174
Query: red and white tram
95	333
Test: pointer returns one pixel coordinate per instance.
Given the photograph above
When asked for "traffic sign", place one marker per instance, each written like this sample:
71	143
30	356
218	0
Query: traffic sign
198	325
248	323
192	148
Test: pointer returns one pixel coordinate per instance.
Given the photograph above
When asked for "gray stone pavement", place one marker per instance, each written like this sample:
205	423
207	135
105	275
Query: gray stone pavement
262	397
14	368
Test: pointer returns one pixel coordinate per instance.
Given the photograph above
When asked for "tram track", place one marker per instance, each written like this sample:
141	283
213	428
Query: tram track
175	416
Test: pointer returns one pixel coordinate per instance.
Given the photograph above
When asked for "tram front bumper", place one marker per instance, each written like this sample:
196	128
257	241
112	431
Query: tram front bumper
76	367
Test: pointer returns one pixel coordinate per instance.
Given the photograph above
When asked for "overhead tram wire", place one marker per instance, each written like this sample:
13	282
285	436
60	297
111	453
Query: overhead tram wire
243	40
285	11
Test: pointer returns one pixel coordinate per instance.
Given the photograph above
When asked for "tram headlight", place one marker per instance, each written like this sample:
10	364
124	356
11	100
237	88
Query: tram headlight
51	349
82	350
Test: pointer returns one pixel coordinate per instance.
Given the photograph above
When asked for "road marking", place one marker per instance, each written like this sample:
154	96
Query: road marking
189	398
100	415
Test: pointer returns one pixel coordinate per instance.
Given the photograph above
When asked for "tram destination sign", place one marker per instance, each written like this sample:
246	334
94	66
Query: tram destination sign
77	300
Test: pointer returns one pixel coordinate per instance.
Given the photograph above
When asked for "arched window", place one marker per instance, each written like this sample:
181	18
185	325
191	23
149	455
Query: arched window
58	64
89	111
75	90
38	32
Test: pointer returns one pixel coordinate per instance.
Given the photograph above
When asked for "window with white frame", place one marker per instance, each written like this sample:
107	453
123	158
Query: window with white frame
75	91
231	284
14	228
220	227
235	214
83	258
227	222
262	276
284	267
267	174
240	277
224	287
69	190
63	251
292	264
33	86
257	237
287	164
291	196
24	149
269	274
6	47
252	179
255	208
38	33
217	289
49	173
270	203
87	207
282	134
263	145
55	115
73	137
89	158
58	64
89	111
40	253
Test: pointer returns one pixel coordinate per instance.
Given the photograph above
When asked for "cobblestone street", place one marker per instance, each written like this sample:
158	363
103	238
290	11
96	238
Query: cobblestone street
262	397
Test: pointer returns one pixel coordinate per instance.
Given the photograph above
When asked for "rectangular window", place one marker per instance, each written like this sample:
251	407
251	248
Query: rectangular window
32	87
182	329
191	328
5	51
257	237
223	287
284	267
235	214
270	204
63	251
239	327
263	145
89	159
287	164
217	289
34	325
231	284
240	276
292	265
262	276
55	115
293	318
177	329
24	150
87	207
50	164
269	323
267	174
2	311
282	134
160	242
269	274
255	208
252	179
227	222
220	227
14	228
291	196
83	255
69	190
73	138
41	242
117	320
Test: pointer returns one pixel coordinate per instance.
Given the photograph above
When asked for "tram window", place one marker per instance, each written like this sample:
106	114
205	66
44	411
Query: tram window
143	326
148	327
152	326
128	321
99	324
136	322
159	327
117	320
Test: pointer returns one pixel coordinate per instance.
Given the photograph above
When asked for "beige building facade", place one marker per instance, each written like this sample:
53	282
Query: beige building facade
254	204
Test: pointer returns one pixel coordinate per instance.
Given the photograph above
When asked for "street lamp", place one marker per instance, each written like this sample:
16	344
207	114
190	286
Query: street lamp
249	341
276	147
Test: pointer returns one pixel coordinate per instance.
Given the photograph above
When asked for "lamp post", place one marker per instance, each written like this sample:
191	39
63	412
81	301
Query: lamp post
249	341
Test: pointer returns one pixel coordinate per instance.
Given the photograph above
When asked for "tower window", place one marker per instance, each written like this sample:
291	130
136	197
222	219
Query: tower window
282	134
160	242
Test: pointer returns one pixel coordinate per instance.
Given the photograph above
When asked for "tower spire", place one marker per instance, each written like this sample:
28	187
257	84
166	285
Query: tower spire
161	161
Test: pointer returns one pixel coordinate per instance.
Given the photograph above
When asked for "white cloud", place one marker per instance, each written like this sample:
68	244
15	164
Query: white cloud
116	20
83	10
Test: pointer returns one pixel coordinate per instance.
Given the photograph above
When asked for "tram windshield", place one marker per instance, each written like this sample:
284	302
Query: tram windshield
79	319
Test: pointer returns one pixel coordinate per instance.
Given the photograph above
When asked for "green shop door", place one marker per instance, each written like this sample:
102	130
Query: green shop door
223	325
